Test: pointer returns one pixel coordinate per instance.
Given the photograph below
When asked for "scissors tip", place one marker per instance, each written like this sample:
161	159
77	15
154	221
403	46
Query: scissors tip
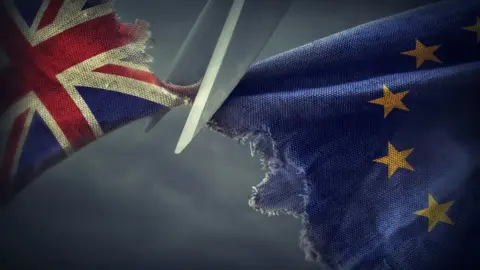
186	137
182	144
153	120
179	149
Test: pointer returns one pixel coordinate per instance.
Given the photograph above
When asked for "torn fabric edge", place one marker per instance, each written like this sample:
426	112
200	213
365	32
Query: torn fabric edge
269	196
139	55
278	170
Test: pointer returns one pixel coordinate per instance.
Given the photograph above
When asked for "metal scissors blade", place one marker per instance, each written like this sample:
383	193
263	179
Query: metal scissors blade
190	63
248	27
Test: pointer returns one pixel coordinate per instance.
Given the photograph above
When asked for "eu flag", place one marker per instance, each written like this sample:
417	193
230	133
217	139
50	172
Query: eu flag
371	137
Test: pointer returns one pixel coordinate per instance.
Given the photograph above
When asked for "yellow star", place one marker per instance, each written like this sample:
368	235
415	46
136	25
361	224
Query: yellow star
474	28
390	101
435	212
423	53
395	160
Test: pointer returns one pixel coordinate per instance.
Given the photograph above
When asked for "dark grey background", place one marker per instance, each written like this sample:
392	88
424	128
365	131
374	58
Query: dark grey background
128	202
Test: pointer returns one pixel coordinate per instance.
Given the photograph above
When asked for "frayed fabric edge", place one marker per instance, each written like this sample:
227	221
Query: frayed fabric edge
138	53
262	145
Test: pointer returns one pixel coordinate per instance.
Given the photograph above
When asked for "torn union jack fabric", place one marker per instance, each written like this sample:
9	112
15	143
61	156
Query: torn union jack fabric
371	136
74	73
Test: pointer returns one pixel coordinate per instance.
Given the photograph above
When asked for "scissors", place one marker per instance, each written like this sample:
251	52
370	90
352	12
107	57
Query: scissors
225	40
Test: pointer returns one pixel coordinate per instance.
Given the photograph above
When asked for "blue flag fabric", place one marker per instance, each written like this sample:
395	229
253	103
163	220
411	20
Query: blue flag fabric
371	136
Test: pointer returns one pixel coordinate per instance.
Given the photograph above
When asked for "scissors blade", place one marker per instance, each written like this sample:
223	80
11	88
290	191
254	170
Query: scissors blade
249	26
191	61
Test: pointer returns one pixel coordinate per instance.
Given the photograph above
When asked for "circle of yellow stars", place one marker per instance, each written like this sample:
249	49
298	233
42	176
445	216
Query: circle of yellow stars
395	159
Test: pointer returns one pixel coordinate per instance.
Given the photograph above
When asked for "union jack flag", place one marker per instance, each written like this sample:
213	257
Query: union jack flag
74	74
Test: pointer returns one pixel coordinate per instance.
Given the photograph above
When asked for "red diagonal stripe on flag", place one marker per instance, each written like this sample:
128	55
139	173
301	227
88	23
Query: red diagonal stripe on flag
50	13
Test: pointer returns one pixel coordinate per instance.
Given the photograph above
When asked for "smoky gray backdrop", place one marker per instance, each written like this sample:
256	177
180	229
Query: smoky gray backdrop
128	202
